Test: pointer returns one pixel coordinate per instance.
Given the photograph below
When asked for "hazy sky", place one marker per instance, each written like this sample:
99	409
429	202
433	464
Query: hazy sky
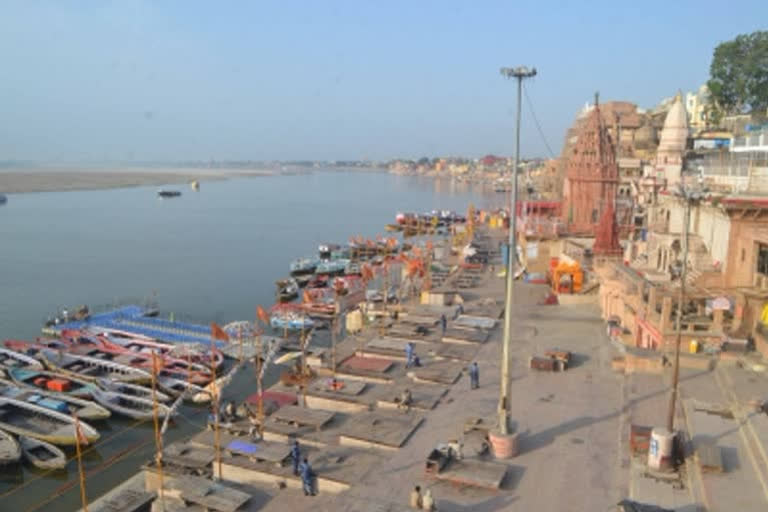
167	80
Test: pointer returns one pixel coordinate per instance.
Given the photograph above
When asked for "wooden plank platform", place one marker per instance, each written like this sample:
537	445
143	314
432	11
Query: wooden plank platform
467	336
384	430
129	496
710	457
349	388
212	496
424	396
437	372
189	455
455	352
476	322
368	364
301	416
474	473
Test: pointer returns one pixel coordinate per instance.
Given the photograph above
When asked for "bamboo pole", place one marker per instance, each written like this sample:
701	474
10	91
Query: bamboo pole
83	497
158	437
217	412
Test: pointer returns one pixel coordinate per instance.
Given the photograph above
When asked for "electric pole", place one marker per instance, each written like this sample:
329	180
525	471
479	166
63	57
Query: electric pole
520	73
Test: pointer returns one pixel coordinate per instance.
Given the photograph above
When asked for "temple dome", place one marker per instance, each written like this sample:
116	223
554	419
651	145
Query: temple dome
674	135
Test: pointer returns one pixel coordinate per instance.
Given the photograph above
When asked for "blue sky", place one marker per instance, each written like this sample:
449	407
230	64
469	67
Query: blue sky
171	80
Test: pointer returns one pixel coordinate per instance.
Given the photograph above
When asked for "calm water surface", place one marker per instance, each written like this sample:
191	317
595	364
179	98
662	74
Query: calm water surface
208	255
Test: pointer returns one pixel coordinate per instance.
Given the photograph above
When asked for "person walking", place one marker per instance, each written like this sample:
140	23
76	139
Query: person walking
443	323
415	499
306	478
474	376
296	456
409	354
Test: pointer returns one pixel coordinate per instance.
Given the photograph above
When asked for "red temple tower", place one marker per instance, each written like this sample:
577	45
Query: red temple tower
592	180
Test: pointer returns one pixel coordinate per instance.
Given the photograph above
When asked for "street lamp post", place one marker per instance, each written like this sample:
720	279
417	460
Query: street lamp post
519	73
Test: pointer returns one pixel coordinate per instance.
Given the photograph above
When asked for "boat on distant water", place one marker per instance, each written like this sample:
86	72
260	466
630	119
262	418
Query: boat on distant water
91	368
3	199
12	359
131	406
332	266
303	266
56	383
42	455
24	419
129	389
325	250
168	193
319	281
59	402
10	451
287	289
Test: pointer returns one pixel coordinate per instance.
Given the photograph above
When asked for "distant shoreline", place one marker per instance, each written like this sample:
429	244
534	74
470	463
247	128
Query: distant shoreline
66	179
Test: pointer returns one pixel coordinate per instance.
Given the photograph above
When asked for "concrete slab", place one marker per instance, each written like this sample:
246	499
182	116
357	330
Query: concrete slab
437	372
387	431
129	496
474	473
279	431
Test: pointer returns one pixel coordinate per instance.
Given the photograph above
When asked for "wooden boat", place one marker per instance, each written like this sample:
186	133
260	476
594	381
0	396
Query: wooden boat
10	452
290	320
25	419
145	345
303	280
332	266
91	368
12	359
287	289
129	389
59	402
51	381
186	389
131	406
168	193
42	455
303	266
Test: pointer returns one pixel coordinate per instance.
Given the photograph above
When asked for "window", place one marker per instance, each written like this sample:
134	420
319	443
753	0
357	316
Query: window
762	259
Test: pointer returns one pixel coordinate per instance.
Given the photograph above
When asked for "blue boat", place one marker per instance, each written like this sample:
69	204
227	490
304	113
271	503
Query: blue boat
304	265
291	321
332	267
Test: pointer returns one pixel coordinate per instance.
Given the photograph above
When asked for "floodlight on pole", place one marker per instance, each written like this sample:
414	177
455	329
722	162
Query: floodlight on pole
520	73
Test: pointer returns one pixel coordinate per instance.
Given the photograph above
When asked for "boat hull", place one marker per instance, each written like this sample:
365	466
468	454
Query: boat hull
42	455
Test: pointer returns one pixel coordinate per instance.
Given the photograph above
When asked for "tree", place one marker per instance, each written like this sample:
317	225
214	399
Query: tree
739	74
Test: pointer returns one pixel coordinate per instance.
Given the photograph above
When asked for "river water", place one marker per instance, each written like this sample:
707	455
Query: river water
211	255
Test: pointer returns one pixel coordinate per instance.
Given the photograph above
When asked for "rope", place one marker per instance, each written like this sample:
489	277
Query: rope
536	121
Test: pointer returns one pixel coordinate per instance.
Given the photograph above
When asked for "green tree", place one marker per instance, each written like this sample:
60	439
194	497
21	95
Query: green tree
739	74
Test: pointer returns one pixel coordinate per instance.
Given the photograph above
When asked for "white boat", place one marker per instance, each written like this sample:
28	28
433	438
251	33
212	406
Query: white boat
25	419
13	359
42	455
126	388
10	451
91	368
131	406
189	391
206	394
59	402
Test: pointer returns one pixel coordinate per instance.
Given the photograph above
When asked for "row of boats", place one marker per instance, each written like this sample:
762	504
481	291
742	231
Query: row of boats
50	384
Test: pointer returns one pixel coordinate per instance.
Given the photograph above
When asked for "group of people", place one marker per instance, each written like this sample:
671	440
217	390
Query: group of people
422	502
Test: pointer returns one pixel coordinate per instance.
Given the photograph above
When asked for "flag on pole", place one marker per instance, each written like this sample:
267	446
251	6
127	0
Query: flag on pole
217	333
263	316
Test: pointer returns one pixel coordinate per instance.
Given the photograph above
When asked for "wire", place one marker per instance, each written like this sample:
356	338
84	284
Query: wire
536	121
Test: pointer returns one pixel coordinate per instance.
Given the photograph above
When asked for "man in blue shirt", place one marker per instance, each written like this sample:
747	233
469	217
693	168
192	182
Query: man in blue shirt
474	376
306	478
296	456
408	354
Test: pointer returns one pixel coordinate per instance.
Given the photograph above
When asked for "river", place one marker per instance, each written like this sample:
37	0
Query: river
211	255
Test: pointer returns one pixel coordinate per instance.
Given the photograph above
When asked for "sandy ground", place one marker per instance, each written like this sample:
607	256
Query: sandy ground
16	181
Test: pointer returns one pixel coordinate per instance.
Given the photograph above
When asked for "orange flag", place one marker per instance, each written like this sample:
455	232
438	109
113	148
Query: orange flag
263	316
217	333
